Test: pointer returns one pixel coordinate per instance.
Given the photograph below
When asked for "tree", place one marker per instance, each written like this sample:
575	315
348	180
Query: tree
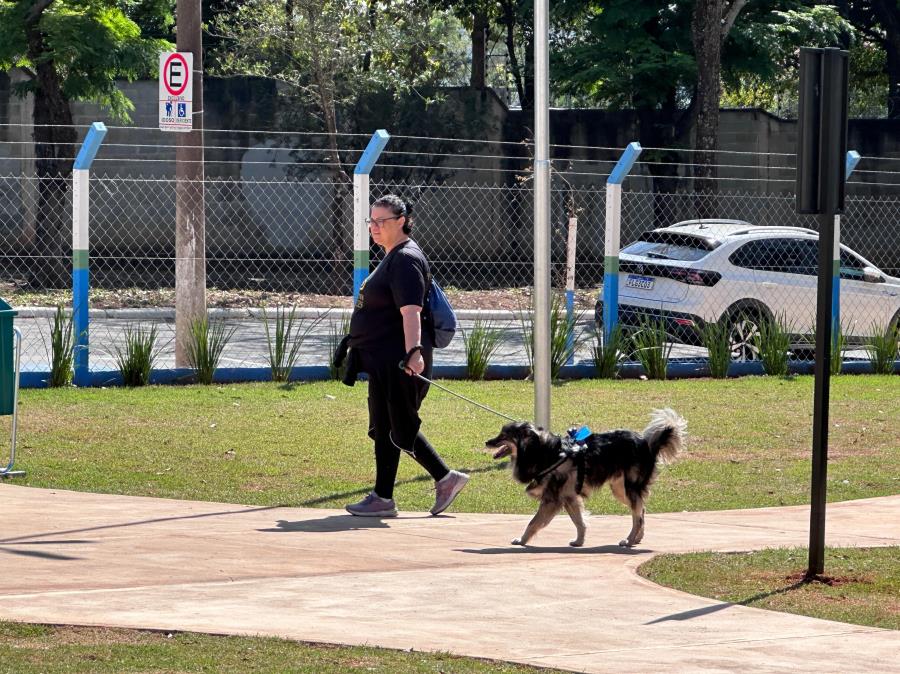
762	60
878	21
664	58
68	50
478	17
327	54
709	29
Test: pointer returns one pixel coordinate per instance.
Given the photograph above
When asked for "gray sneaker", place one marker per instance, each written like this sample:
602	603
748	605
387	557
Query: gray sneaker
373	506
447	488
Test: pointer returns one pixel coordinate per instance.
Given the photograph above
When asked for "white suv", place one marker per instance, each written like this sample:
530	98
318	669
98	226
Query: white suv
700	271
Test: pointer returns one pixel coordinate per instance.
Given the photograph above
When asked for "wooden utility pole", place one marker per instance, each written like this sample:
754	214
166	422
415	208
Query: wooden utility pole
190	224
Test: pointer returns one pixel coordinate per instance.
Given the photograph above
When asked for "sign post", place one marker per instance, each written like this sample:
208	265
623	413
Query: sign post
821	157
176	91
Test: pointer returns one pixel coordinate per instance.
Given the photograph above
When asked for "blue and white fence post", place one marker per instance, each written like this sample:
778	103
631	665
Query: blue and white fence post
80	247
361	208
570	283
852	160
613	235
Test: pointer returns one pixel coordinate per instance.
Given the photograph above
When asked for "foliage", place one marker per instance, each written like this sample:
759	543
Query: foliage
652	348
716	338
620	51
882	347
838	343
91	43
336	332
608	353
481	343
204	349
135	362
62	348
327	52
564	340
284	340
767	78
773	342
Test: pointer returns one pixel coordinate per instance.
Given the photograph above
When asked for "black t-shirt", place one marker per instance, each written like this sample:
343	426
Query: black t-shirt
399	280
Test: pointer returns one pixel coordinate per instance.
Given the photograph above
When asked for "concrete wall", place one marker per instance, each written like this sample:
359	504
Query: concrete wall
264	202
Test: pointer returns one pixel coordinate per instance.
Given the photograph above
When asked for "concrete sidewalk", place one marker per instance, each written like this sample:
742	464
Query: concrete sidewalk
450	583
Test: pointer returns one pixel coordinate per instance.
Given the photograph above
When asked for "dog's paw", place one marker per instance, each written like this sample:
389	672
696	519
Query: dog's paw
625	543
517	541
576	543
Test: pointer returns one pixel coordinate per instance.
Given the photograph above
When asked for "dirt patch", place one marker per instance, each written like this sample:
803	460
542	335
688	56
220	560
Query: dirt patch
87	636
511	299
822	579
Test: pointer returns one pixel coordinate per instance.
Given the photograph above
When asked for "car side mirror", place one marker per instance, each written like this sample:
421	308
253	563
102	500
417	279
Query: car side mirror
872	275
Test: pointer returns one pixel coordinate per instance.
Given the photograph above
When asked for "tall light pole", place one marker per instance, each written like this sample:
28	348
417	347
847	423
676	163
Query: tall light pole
541	318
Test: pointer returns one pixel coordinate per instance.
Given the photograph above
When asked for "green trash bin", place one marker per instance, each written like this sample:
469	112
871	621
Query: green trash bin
7	358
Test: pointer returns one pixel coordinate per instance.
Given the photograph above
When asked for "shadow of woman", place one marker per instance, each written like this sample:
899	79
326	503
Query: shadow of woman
334	523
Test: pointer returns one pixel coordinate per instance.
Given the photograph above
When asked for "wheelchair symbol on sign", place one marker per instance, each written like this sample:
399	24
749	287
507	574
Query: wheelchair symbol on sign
182	109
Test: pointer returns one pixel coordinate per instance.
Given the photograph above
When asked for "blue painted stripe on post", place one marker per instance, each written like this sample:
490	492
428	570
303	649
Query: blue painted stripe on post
835	306
610	303
570	336
852	160
373	150
359	275
80	287
624	165
90	146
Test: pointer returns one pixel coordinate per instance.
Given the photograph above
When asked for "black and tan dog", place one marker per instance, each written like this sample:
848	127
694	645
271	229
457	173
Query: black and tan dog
625	459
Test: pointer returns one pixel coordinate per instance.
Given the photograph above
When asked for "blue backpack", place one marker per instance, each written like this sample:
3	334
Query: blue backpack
439	316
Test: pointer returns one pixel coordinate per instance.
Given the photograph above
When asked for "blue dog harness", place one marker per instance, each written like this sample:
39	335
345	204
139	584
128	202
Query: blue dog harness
574	444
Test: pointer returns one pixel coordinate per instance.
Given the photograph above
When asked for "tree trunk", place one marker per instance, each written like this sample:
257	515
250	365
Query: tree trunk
528	74
478	79
888	16
707	31
509	21
323	76
54	138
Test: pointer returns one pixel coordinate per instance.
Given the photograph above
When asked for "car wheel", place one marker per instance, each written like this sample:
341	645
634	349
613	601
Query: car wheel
743	329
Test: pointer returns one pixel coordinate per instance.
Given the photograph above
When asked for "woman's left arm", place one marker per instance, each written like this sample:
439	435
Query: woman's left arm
412	336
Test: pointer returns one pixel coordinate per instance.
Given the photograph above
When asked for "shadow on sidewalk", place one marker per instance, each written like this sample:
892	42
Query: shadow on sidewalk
343	495
334	523
559	549
706	610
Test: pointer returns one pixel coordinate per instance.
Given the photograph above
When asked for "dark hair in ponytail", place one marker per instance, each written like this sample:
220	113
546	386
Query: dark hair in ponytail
399	208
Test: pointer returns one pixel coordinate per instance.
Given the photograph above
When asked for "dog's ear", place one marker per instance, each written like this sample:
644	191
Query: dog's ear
529	437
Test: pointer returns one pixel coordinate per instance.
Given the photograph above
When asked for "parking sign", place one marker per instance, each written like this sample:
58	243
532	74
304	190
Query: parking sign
176	80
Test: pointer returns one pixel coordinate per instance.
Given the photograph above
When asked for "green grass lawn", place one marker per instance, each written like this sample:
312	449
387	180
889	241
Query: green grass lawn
860	585
305	444
36	649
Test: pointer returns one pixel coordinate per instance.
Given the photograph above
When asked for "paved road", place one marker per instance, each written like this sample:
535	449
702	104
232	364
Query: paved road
249	346
450	583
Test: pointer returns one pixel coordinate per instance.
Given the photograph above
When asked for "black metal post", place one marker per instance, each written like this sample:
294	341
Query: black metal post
820	189
820	398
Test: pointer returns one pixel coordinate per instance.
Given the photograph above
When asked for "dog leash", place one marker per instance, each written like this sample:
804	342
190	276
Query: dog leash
403	366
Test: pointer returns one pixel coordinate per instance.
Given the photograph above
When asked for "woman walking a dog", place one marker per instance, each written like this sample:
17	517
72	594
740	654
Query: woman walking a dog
385	329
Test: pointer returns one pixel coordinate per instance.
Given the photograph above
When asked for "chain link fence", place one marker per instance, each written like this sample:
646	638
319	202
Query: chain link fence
289	241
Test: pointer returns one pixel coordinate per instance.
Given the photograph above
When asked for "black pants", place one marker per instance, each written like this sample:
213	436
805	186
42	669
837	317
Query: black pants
394	401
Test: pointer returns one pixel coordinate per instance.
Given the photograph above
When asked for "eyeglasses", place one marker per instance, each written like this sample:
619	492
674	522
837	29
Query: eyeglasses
380	221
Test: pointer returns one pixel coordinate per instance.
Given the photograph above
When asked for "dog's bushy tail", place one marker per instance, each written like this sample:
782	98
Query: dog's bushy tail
666	433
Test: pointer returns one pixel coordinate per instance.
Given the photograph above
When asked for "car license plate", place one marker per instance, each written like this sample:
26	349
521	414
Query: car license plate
639	282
